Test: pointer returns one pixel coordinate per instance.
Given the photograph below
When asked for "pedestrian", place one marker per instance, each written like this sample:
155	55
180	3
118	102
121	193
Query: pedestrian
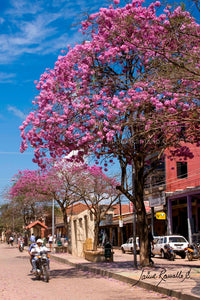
62	240
66	242
11	240
50	241
32	238
20	240
150	245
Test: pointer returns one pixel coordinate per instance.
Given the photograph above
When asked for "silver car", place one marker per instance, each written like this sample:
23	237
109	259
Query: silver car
128	246
177	242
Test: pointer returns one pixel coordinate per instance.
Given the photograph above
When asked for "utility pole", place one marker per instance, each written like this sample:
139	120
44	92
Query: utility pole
120	220
53	222
134	218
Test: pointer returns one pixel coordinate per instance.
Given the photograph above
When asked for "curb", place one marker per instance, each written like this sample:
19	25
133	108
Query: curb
126	279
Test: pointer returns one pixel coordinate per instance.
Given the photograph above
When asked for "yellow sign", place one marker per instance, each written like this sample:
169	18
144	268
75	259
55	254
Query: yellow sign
160	215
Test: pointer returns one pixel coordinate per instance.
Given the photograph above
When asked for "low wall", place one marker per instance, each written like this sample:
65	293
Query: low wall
97	256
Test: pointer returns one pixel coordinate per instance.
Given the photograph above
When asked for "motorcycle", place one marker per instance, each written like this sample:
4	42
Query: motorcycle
169	252
193	251
42	265
21	246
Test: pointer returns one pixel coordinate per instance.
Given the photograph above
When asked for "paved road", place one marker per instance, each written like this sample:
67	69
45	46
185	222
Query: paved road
65	283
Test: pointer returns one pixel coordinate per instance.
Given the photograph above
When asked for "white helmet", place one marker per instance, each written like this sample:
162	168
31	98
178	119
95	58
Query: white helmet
39	241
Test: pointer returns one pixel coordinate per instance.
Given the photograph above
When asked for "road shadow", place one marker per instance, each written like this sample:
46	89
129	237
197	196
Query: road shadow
124	265
22	257
72	273
196	289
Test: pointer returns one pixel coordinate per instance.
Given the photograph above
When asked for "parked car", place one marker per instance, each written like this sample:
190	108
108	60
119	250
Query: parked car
156	238
128	246
177	242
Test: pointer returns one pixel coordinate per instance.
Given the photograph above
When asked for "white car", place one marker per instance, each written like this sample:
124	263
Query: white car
177	242
128	246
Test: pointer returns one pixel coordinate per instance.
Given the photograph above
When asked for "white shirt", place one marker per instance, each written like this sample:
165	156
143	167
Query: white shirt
36	250
50	238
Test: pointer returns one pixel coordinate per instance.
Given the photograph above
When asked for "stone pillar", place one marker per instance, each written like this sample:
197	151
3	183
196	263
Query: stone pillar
189	218
169	217
197	217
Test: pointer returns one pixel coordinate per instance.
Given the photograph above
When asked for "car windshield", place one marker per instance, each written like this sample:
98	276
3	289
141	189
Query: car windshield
177	239
155	241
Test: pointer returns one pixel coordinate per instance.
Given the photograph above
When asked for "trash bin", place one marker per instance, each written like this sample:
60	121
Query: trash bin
108	251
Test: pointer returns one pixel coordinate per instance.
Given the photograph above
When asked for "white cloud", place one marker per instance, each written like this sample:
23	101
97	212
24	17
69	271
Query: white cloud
5	78
40	27
17	112
22	7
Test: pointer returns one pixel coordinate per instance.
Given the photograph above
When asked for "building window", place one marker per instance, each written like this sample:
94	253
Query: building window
181	169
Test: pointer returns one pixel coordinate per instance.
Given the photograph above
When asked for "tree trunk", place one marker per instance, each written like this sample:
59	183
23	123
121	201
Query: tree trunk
96	235
66	225
142	223
143	234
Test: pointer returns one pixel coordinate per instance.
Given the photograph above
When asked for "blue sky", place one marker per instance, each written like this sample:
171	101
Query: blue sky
32	34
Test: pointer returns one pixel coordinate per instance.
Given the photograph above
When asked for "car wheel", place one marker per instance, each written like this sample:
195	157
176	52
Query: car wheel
123	251
183	255
162	254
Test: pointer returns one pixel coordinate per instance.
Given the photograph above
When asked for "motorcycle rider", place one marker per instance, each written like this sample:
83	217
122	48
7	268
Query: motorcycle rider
35	251
11	240
20	240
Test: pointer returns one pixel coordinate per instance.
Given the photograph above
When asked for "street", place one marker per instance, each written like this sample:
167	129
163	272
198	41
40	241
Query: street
66	282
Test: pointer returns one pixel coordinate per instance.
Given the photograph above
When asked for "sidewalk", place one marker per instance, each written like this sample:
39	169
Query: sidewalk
179	278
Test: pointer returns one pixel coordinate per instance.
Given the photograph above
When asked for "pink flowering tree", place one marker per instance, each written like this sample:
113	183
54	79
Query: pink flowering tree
25	194
98	192
41	186
70	182
59	182
128	93
67	183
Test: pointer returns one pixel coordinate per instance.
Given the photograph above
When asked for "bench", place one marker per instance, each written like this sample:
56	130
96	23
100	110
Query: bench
60	249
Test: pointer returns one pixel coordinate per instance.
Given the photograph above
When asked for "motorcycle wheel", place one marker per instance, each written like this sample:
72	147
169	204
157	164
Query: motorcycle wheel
189	256
46	273
37	277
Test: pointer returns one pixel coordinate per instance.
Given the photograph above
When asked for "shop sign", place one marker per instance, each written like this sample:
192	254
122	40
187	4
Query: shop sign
147	207
156	201
160	215
120	223
109	219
